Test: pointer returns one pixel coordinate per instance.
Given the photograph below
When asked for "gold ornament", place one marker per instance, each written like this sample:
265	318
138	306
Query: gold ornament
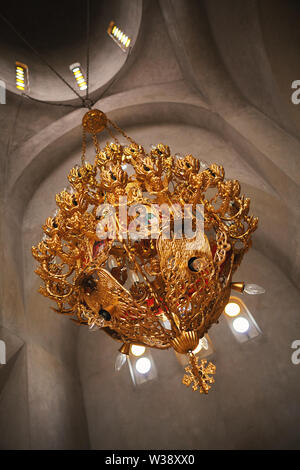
155	292
198	375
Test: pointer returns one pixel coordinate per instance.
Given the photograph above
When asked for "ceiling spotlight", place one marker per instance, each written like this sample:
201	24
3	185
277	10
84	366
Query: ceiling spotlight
78	75
137	350
22	78
143	365
118	36
241	325
232	309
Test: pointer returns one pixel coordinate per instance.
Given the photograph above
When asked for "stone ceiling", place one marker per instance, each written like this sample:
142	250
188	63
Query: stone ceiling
213	79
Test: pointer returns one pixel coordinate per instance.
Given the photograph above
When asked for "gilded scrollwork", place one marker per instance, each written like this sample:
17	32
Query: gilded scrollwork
152	291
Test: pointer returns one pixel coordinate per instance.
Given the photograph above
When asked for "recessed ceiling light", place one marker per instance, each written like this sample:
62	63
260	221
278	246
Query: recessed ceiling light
143	365
118	36
232	309
22	80
241	324
78	75
137	350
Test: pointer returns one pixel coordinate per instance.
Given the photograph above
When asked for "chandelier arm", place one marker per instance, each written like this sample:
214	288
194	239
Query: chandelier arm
240	211
57	276
61	311
55	296
245	234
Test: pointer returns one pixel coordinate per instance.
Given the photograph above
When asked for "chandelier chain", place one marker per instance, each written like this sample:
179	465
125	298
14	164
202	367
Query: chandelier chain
113	136
83	147
121	131
87	47
96	144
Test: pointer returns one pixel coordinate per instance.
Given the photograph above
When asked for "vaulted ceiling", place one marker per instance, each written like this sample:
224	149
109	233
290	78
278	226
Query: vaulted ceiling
207	77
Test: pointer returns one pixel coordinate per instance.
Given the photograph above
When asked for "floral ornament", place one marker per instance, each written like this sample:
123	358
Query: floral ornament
198	374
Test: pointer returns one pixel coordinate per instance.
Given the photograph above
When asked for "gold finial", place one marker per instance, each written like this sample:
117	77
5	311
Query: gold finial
238	286
198	374
125	348
94	121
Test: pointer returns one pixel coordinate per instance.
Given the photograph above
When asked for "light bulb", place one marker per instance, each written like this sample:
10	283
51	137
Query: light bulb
254	289
165	322
111	262
198	348
143	365
232	309
204	343
241	325
133	277
120	361
93	327
203	165
137	350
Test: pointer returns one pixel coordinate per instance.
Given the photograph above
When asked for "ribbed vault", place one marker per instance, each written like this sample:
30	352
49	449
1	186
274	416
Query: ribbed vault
202	77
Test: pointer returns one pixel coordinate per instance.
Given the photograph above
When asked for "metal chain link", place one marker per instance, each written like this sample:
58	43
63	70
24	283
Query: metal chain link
112	135
121	131
96	144
95	140
87	47
83	147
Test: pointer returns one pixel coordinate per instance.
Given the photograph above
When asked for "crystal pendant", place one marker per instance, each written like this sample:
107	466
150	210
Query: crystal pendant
133	277
228	223
203	165
111	262
254	289
204	343
165	322
120	361
69	189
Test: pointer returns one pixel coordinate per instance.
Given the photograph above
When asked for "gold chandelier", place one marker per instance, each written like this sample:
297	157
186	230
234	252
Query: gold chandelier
151	290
